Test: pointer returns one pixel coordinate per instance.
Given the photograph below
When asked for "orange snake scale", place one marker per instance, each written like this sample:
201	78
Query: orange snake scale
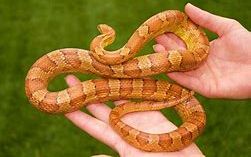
125	77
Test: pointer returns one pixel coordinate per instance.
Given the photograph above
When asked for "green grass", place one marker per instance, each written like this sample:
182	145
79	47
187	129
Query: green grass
30	28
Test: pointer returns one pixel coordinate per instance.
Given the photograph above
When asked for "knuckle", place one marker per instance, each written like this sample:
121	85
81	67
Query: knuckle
233	22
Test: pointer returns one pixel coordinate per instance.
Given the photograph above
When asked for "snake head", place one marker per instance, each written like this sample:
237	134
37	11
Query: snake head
98	44
105	29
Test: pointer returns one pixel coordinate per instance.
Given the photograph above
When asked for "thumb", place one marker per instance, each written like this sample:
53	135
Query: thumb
191	81
186	80
217	24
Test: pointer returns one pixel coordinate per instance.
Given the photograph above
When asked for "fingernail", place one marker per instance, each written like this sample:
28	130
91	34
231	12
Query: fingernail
190	4
70	79
154	46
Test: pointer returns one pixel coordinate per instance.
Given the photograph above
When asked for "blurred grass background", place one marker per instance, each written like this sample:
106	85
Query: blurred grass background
29	29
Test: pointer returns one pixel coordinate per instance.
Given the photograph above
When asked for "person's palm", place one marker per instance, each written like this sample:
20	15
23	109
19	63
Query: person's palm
227	68
151	121
226	71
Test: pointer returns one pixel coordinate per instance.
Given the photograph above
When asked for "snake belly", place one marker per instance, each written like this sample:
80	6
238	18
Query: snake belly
126	77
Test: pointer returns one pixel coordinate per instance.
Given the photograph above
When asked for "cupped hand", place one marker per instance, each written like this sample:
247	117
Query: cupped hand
98	127
227	71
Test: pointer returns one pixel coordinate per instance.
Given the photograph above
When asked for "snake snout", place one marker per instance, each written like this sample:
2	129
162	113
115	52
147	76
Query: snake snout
105	29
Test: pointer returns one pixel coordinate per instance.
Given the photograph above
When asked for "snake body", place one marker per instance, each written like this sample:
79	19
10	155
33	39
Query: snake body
125	77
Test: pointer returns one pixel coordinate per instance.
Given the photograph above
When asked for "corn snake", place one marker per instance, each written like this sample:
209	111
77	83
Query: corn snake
125	77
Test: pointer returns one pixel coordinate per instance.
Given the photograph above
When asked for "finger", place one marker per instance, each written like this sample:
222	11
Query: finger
186	80
94	127
119	102
102	111
72	80
167	42
159	48
214	23
179	41
98	110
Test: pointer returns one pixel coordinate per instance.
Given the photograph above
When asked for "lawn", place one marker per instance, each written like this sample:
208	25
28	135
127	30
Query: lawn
30	28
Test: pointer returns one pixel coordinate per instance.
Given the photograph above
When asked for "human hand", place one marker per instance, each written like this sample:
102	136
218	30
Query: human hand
150	121
227	71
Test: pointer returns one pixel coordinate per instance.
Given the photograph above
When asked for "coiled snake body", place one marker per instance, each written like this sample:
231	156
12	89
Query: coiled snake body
125	78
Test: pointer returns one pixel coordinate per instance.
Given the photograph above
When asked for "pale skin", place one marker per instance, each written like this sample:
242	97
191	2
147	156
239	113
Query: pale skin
225	74
227	70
